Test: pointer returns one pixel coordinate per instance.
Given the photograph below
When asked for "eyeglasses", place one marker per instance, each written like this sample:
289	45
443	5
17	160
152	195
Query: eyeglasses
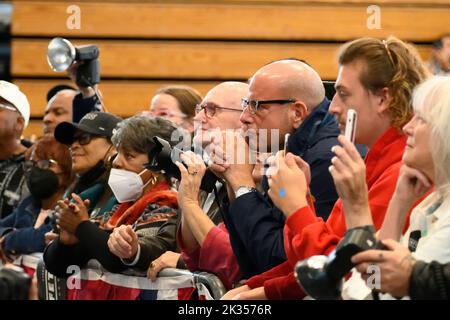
84	138
253	105
5	106
41	164
210	109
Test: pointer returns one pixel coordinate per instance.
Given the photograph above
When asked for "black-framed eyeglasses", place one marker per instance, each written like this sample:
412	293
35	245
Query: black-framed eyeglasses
253	105
41	164
210	109
84	138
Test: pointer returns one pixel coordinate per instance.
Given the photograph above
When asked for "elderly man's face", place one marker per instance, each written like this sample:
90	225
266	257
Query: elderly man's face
59	109
8	120
213	117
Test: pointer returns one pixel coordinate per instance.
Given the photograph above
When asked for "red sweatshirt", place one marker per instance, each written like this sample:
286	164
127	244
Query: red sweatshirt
305	235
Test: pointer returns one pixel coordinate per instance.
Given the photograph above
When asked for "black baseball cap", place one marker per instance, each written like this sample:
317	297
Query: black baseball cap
96	123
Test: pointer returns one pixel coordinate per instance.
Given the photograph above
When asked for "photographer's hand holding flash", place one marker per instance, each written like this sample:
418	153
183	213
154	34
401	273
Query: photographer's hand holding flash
87	92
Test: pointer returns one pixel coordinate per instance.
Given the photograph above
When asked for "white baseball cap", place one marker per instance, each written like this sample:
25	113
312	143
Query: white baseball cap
11	93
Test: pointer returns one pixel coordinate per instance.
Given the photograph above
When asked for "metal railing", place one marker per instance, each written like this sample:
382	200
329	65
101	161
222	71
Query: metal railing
51	287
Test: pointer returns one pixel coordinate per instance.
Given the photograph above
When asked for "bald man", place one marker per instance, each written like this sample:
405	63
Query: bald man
285	96
59	109
220	110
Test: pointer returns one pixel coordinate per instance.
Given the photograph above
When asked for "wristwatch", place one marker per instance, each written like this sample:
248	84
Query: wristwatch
241	190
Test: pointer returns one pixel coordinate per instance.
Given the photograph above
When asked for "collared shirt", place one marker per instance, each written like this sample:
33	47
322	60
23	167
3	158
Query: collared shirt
431	220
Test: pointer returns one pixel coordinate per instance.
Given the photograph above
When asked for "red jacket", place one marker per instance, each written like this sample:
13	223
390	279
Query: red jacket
215	256
306	235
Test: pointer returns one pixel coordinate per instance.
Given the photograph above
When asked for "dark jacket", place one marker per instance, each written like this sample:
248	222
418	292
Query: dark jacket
13	188
430	281
256	225
58	257
154	223
18	228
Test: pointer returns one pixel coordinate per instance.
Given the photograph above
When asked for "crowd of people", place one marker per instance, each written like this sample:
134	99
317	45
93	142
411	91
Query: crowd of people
288	185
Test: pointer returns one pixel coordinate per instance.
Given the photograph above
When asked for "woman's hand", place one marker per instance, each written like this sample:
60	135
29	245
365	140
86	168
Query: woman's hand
191	178
49	237
395	267
234	292
168	259
123	242
71	214
254	294
288	182
349	174
67	238
412	184
41	218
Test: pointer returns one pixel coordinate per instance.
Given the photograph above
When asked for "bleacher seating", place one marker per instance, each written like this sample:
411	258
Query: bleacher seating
146	44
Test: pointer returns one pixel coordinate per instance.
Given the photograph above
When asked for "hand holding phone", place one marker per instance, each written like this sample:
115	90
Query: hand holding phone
286	139
350	125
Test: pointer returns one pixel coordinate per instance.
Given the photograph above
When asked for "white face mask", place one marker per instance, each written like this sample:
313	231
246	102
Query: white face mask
126	185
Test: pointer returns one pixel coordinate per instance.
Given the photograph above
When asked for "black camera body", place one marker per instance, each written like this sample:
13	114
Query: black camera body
321	277
88	74
162	158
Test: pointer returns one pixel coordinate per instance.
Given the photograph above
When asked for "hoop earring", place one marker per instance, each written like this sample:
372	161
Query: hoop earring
153	180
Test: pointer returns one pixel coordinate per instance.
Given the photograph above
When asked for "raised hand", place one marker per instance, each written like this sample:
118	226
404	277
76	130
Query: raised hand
191	178
288	184
349	174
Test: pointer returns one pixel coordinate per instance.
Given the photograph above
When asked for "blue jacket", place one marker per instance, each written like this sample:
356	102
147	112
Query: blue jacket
255	225
20	235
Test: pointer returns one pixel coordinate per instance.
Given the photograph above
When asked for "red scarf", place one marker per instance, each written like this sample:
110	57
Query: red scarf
129	212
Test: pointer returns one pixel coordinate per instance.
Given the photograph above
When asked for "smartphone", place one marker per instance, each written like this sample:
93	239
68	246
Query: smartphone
286	139
350	125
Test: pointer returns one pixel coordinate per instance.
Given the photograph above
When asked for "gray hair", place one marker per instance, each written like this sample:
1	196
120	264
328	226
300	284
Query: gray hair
136	133
431	101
